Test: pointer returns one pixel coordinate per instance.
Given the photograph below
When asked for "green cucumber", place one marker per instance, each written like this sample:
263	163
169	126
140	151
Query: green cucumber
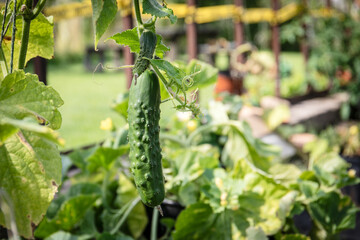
145	152
147	47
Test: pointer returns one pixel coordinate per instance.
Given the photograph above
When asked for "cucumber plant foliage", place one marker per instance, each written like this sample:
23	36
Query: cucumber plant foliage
151	75
30	163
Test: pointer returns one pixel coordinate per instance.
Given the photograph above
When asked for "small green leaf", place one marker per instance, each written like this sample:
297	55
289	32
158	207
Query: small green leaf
169	70
61	235
104	157
104	12
154	8
130	38
253	233
121	104
205	74
161	48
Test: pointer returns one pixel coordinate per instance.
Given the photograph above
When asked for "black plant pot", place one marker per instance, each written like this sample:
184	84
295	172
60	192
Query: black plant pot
353	191
171	209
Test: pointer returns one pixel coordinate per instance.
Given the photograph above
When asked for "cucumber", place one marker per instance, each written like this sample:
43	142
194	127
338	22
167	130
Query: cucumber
147	47
145	152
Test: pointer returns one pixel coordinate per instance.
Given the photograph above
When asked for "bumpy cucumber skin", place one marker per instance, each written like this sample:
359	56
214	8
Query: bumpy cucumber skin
147	47
145	152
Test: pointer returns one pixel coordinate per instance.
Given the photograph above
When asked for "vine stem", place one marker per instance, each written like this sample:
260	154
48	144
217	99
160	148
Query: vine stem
38	8
13	38
166	84
137	12
24	43
4	20
154	224
26	29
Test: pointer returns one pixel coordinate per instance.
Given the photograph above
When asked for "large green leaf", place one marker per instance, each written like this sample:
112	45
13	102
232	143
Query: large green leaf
104	12
41	39
71	210
10	126
22	95
334	212
30	172
198	221
153	7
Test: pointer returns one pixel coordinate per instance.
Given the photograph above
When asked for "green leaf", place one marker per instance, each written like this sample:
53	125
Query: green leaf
28	124
121	105
80	199
169	70
253	233
334	212
137	220
154	8
161	48
108	236
61	235
104	157
294	237
198	221
22	95
104	12
205	74
41	40
130	38
30	173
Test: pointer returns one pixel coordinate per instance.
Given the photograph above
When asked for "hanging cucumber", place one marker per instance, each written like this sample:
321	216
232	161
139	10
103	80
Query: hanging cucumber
145	152
147	47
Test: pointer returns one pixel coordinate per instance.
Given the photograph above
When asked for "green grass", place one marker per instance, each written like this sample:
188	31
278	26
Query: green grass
88	98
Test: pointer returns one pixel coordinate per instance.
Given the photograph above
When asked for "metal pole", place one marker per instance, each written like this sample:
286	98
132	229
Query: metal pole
276	47
128	56
191	35
239	40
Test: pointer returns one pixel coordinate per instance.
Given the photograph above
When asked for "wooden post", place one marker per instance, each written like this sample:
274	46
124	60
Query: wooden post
40	64
328	3
239	40
128	56
40	68
276	47
191	35
304	45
